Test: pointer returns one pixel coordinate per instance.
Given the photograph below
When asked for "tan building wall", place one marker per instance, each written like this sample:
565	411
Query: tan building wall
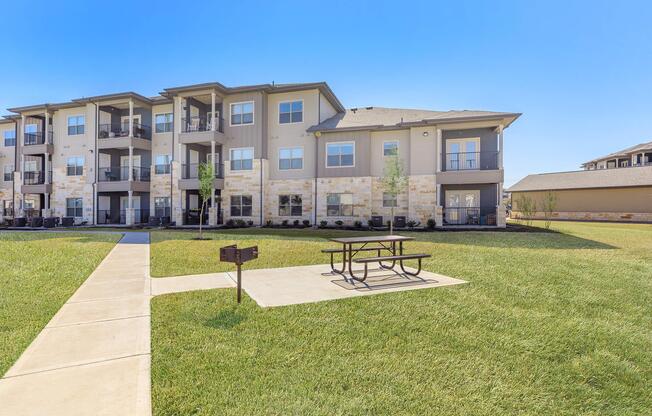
603	204
244	183
161	145
7	158
360	187
378	138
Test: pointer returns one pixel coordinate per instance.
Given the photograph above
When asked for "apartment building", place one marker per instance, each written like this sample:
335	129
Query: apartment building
279	151
615	187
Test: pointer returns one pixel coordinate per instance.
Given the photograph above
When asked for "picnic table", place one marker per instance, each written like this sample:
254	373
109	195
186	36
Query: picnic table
390	246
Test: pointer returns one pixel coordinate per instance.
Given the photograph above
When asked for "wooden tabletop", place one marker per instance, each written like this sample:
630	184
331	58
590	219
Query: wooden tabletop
371	239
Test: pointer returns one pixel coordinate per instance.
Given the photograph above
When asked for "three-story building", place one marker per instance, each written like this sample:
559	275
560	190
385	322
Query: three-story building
279	152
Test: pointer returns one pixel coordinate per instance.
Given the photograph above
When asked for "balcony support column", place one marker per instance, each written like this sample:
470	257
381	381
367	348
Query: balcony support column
439	209
213	120
212	211
131	164
130	212
46	130
500	147
438	151
46	167
131	118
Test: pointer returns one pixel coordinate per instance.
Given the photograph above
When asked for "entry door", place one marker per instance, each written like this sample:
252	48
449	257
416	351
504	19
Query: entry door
462	154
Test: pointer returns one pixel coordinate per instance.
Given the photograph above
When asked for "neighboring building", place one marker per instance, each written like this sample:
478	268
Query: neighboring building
281	152
616	187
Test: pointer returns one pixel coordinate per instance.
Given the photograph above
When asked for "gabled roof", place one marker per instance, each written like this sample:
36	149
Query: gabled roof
370	118
583	179
116	96
622	153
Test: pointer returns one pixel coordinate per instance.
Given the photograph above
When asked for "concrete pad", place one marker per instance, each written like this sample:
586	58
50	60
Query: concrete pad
85	343
109	290
105	388
305	284
101	310
161	286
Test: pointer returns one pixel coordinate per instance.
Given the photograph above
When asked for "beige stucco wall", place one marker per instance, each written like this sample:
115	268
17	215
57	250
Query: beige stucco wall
362	161
326	109
634	199
423	151
246	135
377	162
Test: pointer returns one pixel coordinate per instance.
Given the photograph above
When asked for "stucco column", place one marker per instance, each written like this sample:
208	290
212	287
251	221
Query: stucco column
131	118
131	163
213	120
500	147
439	208
46	130
438	151
129	212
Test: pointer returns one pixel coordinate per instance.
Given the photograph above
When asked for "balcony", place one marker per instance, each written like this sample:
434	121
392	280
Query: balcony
200	130
116	179
37	143
36	182
470	168
470	216
190	176
116	136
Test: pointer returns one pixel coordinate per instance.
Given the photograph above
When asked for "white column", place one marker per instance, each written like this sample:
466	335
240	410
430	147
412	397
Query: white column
131	118
46	167
500	147
177	104
45	133
22	132
131	164
213	120
438	162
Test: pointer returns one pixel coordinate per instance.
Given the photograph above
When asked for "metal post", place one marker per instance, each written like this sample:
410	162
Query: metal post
239	282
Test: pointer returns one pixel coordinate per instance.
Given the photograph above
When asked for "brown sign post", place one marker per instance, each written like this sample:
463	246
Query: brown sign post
233	254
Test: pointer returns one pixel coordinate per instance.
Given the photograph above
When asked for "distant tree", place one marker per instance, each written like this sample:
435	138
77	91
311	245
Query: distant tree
394	182
206	175
549	206
527	208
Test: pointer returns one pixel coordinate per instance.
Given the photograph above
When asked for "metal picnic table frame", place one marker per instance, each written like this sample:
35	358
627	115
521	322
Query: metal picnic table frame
383	243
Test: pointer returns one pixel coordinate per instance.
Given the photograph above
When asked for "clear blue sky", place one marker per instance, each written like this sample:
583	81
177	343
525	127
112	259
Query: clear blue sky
580	72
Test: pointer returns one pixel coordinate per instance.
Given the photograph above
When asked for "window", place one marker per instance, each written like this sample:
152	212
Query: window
10	138
163	123
389	200
162	165
242	113
9	173
339	205
290	205
290	112
75	166
241	205
290	158
74	207
390	148
76	125
162	206
340	154
242	159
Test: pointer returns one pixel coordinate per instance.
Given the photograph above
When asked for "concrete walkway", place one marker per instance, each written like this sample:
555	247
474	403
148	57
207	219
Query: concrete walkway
93	357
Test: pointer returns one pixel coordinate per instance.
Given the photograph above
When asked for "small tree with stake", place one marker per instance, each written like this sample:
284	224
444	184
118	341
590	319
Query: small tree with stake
206	175
394	182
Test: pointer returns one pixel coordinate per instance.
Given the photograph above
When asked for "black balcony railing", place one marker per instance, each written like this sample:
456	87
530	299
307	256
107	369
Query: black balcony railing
35	177
120	216
38	137
472	161
109	131
462	216
193	124
191	216
8	212
162	212
191	170
121	173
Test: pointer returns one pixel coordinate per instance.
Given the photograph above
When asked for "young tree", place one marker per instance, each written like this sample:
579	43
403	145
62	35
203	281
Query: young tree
549	206
527	208
206	176
394	182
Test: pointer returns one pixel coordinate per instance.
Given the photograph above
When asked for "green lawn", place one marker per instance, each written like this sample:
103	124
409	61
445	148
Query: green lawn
38	273
551	323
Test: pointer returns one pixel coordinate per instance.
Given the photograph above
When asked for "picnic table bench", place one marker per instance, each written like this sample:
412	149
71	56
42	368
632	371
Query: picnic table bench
387	243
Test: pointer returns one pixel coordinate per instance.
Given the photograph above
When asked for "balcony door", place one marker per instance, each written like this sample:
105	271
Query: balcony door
463	154
124	202
462	206
124	168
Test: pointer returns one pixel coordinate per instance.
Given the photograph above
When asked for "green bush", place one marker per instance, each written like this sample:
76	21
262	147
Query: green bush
323	223
306	223
431	223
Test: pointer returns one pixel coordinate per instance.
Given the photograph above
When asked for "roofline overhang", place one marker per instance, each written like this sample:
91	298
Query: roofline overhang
117	96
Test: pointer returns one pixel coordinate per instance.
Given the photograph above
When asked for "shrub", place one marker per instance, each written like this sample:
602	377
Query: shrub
296	223
431	223
339	223
240	223
370	223
230	223
269	223
250	223
357	224
323	223
412	223
306	223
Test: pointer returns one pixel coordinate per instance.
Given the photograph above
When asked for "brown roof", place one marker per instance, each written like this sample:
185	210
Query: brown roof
622	153
600	178
381	117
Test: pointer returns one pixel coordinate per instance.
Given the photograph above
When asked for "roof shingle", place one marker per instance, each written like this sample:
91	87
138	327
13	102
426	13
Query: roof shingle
601	178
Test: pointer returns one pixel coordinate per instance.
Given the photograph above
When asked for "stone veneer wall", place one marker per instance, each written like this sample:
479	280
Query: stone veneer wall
591	216
402	208
360	187
244	183
159	187
64	186
422	194
274	188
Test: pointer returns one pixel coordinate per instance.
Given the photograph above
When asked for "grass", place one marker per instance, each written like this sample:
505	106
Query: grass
551	323
39	272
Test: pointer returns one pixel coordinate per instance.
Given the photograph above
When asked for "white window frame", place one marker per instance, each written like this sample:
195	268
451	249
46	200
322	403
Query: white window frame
395	201
278	115
76	166
8	171
242	148
164	113
290	148
241	205
75	207
339	143
169	159
462	144
76	125
4	137
289	205
340	214
398	146
253	113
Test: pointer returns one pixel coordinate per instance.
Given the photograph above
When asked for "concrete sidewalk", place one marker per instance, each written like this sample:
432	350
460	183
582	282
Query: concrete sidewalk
93	357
